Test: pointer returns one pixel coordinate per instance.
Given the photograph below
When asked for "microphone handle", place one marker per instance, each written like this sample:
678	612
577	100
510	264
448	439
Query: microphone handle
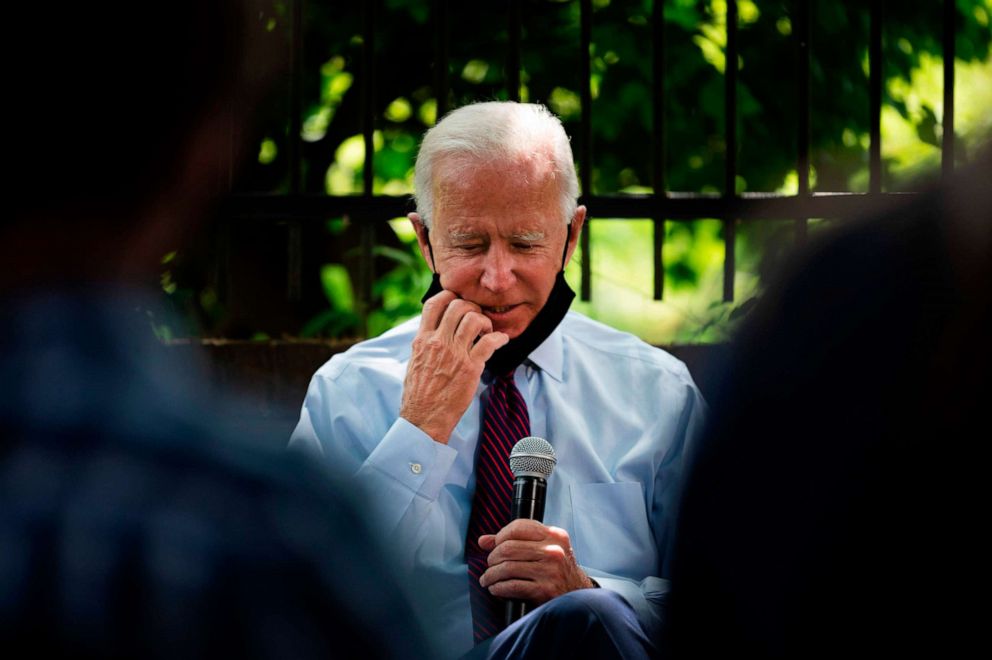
529	494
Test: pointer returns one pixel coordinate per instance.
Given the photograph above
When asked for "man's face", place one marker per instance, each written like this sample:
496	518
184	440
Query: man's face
498	237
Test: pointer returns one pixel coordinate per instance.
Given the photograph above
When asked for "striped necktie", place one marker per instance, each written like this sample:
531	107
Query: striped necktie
505	421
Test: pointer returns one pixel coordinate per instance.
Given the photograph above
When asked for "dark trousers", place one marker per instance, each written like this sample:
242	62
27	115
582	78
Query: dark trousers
585	623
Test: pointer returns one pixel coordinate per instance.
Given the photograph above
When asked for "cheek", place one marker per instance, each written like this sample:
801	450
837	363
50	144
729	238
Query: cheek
458	277
540	278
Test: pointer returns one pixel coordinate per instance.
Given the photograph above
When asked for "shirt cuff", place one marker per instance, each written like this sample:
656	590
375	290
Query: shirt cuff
407	463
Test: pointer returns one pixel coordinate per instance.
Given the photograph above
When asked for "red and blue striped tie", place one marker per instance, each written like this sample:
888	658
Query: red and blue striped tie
505	421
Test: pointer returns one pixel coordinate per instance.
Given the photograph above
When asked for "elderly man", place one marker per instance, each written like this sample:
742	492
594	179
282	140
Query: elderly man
425	414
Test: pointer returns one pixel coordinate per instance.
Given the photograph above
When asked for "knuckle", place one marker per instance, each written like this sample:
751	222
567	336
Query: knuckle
515	545
438	301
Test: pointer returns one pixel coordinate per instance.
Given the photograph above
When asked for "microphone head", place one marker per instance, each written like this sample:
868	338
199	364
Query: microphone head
532	457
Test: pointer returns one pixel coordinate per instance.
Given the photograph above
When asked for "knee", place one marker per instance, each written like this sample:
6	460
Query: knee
595	605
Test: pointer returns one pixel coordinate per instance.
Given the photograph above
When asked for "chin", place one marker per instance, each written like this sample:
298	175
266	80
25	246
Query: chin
511	329
512	333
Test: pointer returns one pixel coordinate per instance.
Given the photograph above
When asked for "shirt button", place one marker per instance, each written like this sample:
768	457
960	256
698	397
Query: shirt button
416	468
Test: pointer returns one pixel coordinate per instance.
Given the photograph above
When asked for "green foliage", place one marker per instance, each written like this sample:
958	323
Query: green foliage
622	120
398	292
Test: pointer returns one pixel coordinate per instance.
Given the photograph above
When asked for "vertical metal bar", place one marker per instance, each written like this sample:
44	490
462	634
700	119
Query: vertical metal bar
294	232
585	160
802	36
367	224
220	272
730	128
947	140
658	150
366	273
368	94
729	258
294	260
514	58
296	98
441	56
232	153
875	93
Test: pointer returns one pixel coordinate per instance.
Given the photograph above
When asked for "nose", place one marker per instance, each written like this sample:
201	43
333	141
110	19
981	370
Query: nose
498	270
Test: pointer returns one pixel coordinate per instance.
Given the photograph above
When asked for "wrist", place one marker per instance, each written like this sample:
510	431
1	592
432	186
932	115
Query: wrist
436	434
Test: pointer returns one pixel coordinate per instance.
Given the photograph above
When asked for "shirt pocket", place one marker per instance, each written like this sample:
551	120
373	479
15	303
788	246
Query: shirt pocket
611	531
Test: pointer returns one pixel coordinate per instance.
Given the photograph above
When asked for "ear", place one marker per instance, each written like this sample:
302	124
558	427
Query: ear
573	240
422	239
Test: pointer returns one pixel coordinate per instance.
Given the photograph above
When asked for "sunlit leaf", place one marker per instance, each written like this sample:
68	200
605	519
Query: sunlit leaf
337	287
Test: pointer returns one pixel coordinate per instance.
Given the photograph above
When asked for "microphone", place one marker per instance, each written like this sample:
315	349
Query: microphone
532	460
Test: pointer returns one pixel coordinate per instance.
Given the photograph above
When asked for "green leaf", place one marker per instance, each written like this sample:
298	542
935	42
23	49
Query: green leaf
337	287
399	256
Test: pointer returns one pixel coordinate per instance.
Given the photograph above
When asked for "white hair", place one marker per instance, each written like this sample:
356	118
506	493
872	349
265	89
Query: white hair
495	132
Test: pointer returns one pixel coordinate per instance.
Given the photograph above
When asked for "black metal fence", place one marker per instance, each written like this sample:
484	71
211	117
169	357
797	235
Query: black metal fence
370	210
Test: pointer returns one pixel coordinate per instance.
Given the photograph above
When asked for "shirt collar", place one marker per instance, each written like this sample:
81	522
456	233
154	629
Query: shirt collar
549	356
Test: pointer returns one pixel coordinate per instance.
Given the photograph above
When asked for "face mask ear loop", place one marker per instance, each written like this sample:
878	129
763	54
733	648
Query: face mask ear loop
430	248
564	253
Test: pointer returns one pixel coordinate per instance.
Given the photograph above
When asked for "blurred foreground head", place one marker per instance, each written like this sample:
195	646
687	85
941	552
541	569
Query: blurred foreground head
135	520
120	126
834	507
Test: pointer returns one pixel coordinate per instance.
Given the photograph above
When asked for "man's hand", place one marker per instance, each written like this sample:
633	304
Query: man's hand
531	561
446	363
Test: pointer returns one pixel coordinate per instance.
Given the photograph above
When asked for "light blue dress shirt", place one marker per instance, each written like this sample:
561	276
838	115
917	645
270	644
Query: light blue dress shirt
620	414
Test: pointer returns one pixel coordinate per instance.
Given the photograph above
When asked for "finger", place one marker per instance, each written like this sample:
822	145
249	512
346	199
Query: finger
434	310
560	536
488	344
533	591
452	317
531	581
512	570
514	550
487	541
522	529
515	589
472	325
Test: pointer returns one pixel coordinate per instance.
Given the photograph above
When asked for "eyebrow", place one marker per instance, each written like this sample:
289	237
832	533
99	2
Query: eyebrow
458	236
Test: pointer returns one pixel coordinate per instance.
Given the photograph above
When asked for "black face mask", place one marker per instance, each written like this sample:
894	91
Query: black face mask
510	356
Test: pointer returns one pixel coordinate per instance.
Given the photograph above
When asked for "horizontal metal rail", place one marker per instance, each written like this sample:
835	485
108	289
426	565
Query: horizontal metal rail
675	206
